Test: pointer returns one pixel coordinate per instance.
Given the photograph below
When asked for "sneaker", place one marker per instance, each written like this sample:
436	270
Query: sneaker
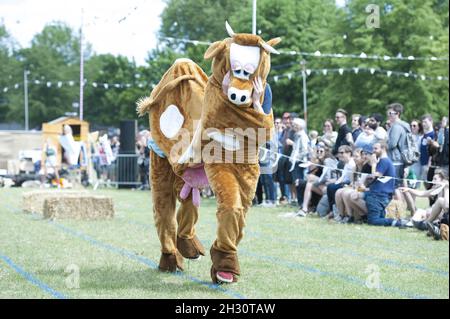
225	277
338	218
409	224
401	223
301	213
283	201
434	230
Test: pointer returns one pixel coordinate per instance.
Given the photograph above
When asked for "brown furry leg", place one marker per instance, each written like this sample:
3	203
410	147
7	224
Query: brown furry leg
164	201
234	186
187	216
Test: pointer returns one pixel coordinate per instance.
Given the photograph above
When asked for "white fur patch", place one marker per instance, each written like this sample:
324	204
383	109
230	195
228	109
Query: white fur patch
228	141
244	57
171	121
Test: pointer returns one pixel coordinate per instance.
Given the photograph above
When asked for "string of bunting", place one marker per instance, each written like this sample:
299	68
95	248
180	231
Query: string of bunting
319	54
357	70
306	164
275	78
60	84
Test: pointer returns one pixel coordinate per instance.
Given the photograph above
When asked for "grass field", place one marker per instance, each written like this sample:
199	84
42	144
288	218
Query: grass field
280	258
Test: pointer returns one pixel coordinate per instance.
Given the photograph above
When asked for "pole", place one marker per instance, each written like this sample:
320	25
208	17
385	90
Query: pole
81	68
25	96
305	105
254	17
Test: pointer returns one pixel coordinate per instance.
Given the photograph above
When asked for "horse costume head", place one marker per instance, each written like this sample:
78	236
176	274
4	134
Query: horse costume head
241	59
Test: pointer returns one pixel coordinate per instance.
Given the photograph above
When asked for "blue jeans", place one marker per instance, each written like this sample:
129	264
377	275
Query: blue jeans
376	204
331	193
400	173
269	186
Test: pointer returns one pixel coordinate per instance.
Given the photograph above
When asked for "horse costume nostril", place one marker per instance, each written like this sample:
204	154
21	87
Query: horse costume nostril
233	96
243	98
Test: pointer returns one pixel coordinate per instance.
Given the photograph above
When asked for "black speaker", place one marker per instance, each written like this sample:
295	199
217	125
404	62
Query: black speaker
128	131
127	161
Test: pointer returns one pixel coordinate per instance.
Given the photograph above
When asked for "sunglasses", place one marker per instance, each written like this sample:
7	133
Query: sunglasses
392	113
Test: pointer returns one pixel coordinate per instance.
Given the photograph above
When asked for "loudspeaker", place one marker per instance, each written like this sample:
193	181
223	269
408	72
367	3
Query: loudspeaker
127	165
128	131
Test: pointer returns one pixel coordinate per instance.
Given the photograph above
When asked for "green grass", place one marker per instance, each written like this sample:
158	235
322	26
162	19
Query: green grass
280	258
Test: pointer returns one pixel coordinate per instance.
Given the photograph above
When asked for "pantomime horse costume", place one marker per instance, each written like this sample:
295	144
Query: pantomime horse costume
208	130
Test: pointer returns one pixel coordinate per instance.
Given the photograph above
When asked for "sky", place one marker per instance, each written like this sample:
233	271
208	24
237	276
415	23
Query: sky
118	27
126	27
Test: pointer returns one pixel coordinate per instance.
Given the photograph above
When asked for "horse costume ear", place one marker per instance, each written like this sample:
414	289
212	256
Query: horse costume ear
214	49
273	42
268	45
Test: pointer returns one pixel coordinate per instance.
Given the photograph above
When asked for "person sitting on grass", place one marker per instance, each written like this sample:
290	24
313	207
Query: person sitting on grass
440	231
381	189
343	195
345	156
321	173
440	207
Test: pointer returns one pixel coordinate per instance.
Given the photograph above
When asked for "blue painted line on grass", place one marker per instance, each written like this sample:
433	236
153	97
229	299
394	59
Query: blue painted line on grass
310	269
133	256
313	270
141	259
30	278
389	262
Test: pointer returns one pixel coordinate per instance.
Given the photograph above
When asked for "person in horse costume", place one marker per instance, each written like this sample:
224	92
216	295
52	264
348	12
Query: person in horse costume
208	131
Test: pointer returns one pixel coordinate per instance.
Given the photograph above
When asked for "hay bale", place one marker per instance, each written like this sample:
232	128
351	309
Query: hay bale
33	202
81	207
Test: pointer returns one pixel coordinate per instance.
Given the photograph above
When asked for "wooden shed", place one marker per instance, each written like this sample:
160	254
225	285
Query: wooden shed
52	130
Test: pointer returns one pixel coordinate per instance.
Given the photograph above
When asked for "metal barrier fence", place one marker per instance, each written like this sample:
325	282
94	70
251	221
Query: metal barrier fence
122	173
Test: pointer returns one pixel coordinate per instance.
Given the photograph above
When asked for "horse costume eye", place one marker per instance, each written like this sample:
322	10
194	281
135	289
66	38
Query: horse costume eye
246	73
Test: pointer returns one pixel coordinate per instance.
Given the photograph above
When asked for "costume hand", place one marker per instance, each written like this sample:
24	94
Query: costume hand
258	90
226	83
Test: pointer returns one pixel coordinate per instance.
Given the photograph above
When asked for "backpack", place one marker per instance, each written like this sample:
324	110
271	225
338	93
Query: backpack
443	152
410	153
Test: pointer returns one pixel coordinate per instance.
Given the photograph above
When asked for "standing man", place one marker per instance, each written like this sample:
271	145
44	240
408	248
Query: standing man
381	190
380	132
284	176
344	133
356	126
427	138
397	139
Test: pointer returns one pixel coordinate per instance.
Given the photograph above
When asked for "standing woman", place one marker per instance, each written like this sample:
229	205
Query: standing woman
417	131
300	150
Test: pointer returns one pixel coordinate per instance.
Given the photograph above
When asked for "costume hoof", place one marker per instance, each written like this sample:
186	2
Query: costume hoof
170	262
190	248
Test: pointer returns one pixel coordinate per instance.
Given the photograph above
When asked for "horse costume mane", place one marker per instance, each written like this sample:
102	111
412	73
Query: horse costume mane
191	115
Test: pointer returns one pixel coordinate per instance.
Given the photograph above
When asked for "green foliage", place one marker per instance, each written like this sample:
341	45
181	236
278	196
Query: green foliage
413	27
